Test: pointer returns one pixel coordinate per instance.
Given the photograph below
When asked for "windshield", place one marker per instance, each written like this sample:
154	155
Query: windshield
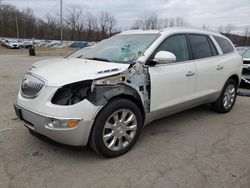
79	53
121	48
246	54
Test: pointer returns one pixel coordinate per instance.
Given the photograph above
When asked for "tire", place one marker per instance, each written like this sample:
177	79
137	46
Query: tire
111	135
220	105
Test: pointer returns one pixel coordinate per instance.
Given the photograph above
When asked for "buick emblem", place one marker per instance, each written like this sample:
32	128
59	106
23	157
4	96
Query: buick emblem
25	83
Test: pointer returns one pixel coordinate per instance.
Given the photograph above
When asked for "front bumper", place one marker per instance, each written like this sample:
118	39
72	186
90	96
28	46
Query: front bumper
39	123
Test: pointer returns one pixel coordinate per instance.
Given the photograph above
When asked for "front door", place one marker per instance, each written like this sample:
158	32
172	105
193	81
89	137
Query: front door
172	84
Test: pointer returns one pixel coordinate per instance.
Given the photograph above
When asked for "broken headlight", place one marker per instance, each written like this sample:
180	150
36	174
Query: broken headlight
72	93
113	80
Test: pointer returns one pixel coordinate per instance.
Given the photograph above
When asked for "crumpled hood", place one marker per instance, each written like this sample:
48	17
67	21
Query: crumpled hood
62	71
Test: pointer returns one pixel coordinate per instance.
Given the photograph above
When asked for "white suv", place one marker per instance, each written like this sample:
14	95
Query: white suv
105	96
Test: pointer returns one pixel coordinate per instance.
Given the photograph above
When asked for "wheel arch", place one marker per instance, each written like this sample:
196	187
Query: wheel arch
135	100
102	95
236	78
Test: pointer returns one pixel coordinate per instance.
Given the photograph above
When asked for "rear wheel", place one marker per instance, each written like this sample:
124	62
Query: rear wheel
227	98
116	128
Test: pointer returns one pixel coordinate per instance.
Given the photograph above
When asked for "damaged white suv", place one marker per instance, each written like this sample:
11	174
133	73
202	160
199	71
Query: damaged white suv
105	96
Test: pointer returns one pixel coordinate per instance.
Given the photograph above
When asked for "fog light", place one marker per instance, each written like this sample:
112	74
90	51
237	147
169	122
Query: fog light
56	123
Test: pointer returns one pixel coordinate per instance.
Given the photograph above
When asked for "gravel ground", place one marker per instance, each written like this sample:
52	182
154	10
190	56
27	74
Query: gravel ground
195	148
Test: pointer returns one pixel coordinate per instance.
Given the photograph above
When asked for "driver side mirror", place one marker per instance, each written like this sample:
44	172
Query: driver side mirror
164	57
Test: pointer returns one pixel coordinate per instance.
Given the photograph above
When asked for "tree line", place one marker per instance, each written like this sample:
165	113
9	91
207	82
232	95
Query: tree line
86	26
77	24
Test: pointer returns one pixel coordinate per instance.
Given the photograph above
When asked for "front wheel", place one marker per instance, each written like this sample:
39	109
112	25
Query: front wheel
227	98
116	128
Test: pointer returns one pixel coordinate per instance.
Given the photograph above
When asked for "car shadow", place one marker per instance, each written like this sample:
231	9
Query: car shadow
163	125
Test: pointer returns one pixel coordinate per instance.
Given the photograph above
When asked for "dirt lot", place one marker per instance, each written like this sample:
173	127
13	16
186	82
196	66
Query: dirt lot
196	148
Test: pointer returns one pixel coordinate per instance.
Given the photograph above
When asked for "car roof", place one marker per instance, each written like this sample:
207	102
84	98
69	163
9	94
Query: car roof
171	30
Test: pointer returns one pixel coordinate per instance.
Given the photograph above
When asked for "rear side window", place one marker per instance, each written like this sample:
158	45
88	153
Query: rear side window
176	44
200	46
224	44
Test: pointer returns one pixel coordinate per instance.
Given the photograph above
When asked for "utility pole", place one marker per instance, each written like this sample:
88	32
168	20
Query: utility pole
61	11
17	29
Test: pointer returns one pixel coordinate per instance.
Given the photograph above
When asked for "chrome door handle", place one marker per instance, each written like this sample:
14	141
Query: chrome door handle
190	73
219	67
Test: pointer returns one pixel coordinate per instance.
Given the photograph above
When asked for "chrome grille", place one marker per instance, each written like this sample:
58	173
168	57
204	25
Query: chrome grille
31	86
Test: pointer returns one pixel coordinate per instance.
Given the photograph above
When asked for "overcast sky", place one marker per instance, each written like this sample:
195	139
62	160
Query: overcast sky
196	12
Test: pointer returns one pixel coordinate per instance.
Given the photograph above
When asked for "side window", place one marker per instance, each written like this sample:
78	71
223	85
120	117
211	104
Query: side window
200	46
176	44
224	44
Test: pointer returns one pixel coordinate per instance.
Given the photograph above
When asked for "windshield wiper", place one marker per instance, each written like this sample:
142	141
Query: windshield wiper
98	59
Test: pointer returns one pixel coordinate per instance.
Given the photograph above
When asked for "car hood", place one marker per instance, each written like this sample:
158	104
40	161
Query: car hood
62	71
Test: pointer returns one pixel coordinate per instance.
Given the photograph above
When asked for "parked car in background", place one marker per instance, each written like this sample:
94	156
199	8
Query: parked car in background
105	97
12	44
79	44
246	67
4	42
26	44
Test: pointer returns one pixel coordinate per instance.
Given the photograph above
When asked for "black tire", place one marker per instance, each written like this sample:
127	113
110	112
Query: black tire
218	105
96	138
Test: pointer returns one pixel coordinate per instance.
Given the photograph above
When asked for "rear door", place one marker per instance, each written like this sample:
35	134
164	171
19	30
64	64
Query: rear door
208	65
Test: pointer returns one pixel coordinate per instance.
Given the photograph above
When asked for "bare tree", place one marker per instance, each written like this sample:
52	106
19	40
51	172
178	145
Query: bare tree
52	28
205	27
91	25
103	23
246	35
229	28
80	28
27	20
153	22
171	22
111	24
220	29
73	19
247	31
179	21
163	23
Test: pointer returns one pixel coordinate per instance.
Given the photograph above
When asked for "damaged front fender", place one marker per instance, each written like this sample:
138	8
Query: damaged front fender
134	82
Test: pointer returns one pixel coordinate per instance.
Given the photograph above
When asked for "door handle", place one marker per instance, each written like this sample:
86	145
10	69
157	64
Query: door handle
190	73
219	67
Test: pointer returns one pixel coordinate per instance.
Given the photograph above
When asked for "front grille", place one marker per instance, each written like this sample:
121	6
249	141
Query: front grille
31	86
246	62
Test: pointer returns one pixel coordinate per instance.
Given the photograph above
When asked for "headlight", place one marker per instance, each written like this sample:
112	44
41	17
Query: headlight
72	93
56	123
110	80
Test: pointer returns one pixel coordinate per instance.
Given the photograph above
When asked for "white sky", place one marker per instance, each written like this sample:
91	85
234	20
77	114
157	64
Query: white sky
196	12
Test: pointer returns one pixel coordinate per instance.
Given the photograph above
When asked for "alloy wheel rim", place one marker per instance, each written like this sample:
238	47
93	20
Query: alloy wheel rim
229	96
119	130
